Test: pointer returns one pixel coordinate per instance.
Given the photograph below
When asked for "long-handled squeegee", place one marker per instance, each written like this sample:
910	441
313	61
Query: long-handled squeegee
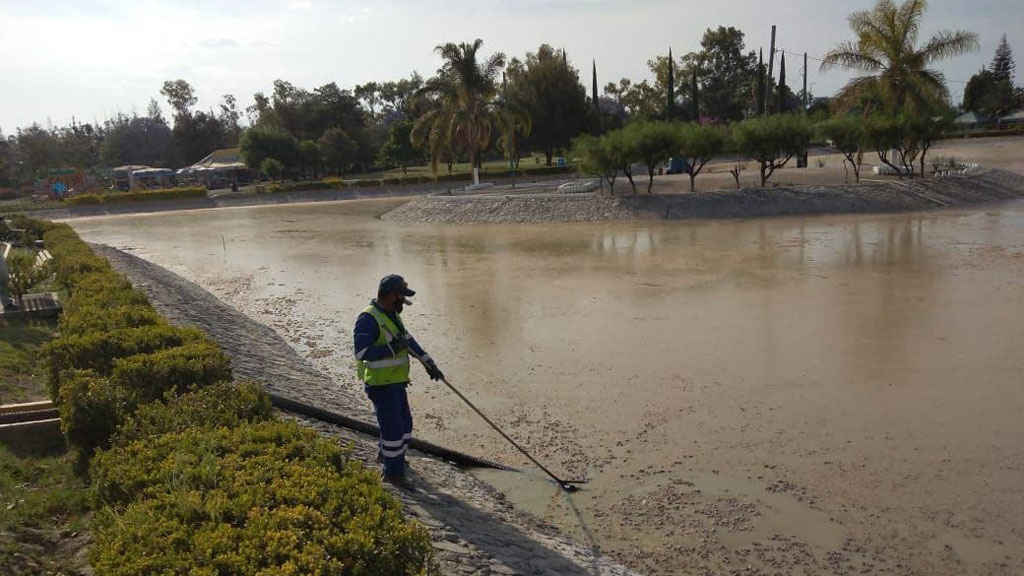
567	485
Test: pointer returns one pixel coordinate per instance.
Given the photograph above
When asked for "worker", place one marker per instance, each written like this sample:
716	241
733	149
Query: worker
382	348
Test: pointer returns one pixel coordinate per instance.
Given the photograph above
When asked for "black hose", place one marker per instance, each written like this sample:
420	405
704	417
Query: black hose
289	405
567	485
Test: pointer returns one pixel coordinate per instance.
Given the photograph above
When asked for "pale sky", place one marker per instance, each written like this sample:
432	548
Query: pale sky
64	58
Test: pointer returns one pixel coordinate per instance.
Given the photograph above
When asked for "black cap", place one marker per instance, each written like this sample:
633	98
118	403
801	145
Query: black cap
394	283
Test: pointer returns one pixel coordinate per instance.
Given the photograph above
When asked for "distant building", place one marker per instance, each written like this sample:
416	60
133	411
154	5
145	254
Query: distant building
1012	119
969	120
219	169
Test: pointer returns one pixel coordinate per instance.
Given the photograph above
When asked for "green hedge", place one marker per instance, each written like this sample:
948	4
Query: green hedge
91	408
264	498
90	319
222	405
334	184
98	350
138	196
306	186
190	473
154	376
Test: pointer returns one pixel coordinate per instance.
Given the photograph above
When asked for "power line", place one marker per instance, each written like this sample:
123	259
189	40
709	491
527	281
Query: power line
782	50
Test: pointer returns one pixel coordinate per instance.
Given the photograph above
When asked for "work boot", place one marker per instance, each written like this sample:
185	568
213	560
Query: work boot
400	482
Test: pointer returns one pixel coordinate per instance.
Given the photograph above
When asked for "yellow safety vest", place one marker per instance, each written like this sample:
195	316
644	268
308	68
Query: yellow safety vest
385	371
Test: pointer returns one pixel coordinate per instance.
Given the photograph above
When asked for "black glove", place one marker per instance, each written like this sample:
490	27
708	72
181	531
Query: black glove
433	371
398	344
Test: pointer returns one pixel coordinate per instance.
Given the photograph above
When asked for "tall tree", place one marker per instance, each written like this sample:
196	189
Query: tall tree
695	95
464	88
229	118
1002	66
338	150
513	121
398	150
991	90
759	94
894	67
670	96
181	96
554	98
195	134
726	72
261	142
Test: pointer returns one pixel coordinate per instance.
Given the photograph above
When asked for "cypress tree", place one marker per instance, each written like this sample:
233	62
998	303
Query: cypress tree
695	93
781	107
759	105
597	103
670	107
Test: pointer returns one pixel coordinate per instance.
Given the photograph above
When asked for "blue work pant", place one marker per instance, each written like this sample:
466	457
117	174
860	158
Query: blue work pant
391	405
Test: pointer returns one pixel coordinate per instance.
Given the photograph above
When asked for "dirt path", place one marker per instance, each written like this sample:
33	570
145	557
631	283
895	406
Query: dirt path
475	530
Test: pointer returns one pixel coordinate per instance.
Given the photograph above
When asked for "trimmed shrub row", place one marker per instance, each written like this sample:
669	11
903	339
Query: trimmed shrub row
336	184
113	353
138	196
190	473
264	498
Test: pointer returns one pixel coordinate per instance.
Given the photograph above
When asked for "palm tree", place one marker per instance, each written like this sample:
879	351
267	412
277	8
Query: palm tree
895	69
464	90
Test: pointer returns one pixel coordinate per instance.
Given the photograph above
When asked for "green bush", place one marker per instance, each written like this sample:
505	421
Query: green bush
103	289
138	196
308	185
97	350
92	318
222	405
166	373
363	183
83	199
72	258
90	410
266	498
92	405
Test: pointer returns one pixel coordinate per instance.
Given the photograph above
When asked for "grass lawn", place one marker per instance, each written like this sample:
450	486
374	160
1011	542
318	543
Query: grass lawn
43	515
27	205
489	167
43	504
22	377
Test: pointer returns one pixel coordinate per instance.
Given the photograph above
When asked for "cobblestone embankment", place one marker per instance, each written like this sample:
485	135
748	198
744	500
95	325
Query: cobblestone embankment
986	185
475	530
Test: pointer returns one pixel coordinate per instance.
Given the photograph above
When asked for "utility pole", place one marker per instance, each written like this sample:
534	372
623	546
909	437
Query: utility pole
805	82
771	67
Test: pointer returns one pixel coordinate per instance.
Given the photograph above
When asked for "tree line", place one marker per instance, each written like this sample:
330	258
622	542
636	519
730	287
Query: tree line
896	108
479	106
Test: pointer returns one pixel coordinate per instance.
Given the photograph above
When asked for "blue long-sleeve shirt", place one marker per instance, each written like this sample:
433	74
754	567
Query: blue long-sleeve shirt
367	331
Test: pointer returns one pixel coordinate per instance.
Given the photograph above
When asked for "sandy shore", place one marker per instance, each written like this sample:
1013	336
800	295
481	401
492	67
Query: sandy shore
982	185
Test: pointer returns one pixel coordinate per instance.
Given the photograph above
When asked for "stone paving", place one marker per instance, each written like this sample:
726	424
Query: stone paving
474	529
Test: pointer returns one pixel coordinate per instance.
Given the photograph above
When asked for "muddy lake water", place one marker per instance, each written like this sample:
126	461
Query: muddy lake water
805	395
